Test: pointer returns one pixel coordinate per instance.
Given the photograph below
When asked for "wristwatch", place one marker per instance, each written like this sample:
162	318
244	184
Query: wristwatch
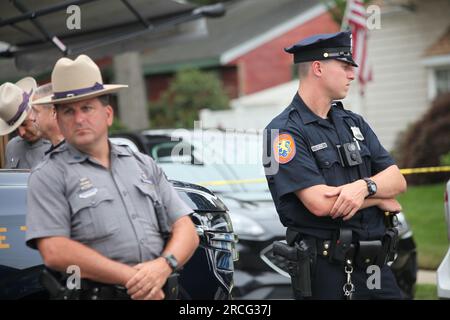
171	261
371	186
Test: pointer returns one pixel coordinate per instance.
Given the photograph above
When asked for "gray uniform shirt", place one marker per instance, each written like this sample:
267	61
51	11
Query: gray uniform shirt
21	154
109	210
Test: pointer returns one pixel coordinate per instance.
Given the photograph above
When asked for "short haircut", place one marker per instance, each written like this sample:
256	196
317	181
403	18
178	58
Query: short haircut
303	69
43	91
104	99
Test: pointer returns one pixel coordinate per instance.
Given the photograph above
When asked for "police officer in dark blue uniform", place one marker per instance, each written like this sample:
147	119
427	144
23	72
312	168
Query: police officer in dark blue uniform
332	181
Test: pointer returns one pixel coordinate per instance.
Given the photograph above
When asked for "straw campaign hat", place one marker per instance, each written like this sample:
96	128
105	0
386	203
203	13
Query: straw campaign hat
15	103
75	80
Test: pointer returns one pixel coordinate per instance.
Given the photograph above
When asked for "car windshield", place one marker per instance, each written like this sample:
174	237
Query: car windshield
221	162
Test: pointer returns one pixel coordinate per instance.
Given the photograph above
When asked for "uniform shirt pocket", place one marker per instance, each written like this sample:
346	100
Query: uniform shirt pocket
93	216
364	150
366	157
325	159
148	189
150	197
330	166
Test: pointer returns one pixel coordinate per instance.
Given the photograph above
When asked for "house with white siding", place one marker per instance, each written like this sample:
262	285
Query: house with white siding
406	69
410	59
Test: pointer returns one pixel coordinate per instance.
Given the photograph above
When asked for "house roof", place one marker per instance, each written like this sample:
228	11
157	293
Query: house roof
244	21
441	46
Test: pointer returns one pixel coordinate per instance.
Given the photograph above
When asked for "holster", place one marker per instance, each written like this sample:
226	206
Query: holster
342	246
51	281
299	258
390	242
171	287
369	253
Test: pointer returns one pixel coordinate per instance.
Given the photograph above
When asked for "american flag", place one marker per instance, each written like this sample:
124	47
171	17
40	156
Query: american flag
355	19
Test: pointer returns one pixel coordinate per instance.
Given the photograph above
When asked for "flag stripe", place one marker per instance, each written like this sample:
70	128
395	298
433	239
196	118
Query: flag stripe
356	19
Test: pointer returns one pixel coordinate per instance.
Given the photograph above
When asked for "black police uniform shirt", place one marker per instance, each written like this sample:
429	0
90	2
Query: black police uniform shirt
308	156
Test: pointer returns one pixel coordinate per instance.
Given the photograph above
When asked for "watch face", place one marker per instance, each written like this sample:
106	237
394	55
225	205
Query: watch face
372	187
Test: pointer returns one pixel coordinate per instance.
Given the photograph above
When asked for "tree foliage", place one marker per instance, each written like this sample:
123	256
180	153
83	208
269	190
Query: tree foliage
336	8
117	126
190	91
426	143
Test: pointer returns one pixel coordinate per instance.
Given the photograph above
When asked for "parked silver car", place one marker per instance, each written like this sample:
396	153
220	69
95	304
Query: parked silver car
443	272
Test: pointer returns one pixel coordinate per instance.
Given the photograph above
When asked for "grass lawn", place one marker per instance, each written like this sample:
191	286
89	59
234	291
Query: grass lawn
426	292
424	209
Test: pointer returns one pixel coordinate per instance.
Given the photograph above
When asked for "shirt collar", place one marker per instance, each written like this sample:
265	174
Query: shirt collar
305	113
308	116
52	147
119	150
76	156
37	144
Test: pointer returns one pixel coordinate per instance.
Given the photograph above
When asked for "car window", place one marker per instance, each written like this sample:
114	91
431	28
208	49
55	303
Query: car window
173	151
234	158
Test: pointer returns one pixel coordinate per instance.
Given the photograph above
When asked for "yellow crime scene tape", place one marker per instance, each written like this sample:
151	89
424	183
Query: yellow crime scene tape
425	170
405	171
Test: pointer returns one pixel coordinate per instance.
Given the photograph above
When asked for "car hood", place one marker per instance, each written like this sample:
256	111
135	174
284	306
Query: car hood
258	207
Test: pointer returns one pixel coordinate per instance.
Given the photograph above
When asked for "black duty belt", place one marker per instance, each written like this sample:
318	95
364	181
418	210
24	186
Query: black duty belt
91	290
360	253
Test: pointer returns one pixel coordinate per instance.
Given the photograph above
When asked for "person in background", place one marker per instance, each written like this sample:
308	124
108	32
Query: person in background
28	148
44	115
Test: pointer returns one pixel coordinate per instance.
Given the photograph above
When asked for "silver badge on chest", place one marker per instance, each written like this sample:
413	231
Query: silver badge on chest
357	133
87	188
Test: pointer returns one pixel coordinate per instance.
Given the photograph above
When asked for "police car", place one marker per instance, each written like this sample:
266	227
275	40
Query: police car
207	275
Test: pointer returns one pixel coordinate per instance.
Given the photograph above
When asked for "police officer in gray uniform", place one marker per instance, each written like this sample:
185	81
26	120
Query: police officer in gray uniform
28	148
25	153
92	203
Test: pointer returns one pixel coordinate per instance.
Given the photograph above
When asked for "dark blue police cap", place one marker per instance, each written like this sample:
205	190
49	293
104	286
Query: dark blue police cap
324	46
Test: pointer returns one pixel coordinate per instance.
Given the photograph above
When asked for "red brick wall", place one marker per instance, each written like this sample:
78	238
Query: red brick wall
156	84
230	81
268	65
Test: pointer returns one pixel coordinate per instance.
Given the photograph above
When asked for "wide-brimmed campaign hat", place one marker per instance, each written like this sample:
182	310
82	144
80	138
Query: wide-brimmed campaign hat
75	80
15	103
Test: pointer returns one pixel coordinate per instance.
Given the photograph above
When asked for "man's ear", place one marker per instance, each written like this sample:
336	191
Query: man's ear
317	68
110	114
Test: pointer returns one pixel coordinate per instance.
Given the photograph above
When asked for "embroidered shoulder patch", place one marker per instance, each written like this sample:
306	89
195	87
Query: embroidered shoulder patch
284	148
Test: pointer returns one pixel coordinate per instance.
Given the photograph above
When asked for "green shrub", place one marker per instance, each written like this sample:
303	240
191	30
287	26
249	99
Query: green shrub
117	126
445	159
190	91
426	141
